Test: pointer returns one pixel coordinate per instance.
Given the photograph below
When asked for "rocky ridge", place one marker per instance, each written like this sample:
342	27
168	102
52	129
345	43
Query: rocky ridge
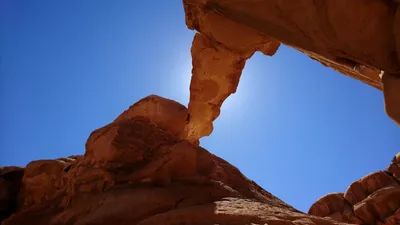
374	199
137	170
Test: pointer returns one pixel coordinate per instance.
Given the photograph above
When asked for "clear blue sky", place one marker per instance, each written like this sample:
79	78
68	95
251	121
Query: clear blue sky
298	129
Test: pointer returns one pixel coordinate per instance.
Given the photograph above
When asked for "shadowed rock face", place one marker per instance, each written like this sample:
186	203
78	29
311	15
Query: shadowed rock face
146	166
10	185
374	199
391	93
137	170
360	39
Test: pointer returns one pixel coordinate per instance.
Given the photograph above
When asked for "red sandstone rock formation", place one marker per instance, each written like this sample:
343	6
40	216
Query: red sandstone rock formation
357	38
216	73
138	170
374	199
146	168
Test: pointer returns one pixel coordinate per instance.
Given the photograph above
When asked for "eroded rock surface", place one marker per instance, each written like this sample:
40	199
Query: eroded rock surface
216	74
394	168
374	199
357	38
146	166
138	170
43	180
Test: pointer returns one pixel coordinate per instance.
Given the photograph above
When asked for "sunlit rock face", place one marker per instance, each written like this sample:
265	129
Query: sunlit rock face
357	38
139	170
216	74
146	167
374	199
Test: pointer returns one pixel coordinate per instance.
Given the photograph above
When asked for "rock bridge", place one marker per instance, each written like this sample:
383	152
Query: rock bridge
360	39
146	167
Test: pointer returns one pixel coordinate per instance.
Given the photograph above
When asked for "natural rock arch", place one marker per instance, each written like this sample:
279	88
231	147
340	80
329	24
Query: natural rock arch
230	32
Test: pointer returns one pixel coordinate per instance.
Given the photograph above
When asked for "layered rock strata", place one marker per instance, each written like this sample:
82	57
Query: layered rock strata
374	199
138	170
